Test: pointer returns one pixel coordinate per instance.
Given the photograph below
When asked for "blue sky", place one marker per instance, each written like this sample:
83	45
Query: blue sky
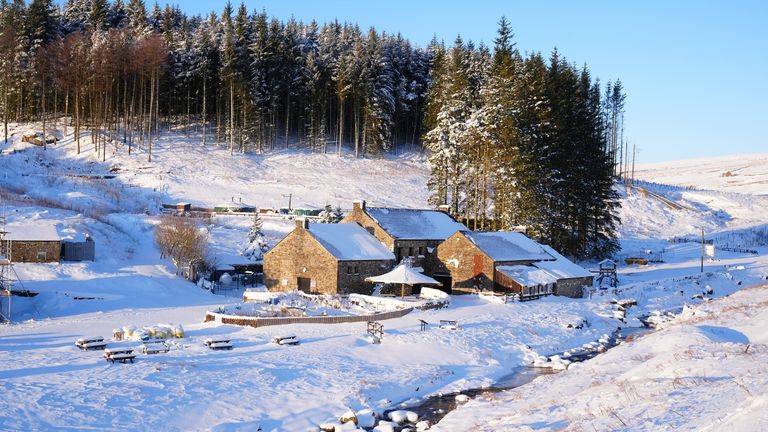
695	72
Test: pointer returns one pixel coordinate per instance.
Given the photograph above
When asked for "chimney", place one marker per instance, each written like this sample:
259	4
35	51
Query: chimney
302	223
445	208
358	206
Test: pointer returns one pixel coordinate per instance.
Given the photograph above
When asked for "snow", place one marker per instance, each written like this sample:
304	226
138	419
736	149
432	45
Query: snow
350	242
413	224
507	246
674	379
37	232
561	267
48	384
402	274
527	275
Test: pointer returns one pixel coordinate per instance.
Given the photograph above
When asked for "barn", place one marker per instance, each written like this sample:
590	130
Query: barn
31	243
326	258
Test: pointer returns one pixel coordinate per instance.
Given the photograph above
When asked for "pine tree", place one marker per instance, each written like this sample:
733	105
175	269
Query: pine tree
256	244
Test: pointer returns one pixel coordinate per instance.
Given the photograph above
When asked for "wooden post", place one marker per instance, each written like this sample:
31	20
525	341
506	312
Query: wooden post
702	249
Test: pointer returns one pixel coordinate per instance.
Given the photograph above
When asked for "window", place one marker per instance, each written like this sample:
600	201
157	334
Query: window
421	250
357	270
349	270
42	255
410	251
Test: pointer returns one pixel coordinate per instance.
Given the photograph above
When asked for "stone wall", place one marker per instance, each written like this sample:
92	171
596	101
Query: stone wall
456	256
352	274
262	322
30	251
299	254
573	288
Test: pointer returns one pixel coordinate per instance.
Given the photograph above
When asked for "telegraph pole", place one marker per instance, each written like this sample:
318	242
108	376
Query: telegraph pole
702	249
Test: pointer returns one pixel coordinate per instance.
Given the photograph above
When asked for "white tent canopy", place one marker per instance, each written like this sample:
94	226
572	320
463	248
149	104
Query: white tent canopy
403	275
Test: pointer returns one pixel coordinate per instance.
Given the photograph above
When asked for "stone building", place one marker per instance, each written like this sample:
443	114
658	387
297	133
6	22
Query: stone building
326	258
31	243
468	260
408	233
508	262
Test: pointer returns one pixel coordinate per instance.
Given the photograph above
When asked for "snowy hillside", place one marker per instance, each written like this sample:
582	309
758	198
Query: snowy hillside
52	385
738	173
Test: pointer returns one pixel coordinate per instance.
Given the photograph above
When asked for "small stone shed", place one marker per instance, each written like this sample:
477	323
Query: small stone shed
326	258
36	243
408	233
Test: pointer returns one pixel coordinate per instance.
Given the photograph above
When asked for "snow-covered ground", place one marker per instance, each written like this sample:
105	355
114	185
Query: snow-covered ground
49	384
736	173
705	371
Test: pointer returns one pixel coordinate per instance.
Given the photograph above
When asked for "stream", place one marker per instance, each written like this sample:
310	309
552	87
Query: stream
434	408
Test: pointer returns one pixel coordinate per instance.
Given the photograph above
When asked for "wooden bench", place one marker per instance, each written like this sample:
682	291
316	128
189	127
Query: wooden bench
155	347
449	324
424	325
286	340
86	344
218	343
122	358
121	355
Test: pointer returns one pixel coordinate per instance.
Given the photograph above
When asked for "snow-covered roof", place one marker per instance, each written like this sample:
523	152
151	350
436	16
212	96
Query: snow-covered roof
415	224
508	246
402	274
350	242
71	235
32	233
562	267
527	275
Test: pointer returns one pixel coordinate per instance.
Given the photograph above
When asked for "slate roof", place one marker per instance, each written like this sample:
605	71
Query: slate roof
508	246
350	242
415	224
562	267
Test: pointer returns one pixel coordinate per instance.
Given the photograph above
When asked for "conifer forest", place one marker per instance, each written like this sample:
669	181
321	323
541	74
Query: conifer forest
512	138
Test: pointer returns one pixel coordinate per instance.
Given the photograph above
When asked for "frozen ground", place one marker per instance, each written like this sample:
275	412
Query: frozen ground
49	384
705	371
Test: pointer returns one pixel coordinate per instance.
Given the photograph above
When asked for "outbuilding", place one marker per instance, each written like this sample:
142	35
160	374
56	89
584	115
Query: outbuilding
326	258
31	243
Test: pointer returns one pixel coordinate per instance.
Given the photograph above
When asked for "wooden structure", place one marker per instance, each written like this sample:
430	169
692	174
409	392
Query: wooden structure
607	273
286	340
121	355
218	343
376	331
325	258
89	343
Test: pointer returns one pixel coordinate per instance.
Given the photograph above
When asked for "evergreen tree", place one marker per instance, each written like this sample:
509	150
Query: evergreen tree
256	245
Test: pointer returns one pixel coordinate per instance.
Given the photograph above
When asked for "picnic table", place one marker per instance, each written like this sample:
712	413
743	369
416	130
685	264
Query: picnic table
154	347
449	324
121	355
95	342
218	343
286	340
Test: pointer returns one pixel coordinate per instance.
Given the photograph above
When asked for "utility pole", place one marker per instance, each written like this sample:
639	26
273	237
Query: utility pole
289	196
702	249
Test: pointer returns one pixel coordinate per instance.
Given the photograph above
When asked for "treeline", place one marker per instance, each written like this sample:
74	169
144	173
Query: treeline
240	77
524	141
513	139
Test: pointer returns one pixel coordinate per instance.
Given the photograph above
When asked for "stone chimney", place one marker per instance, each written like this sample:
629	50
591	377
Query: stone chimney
445	208
358	206
302	223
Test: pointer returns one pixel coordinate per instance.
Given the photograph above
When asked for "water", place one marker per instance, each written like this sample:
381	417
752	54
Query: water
434	408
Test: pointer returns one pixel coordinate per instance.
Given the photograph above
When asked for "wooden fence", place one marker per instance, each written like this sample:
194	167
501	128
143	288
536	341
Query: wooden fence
263	321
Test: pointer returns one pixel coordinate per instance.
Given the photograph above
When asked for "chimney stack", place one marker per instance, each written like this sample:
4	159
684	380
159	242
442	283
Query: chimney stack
358	206
302	223
445	208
